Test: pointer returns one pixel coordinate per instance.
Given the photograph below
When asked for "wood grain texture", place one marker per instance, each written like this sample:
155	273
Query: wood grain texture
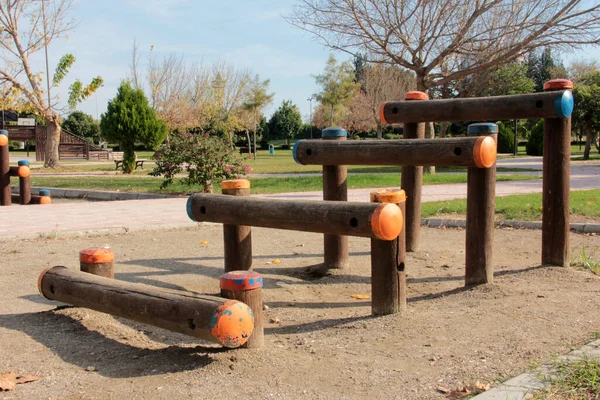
556	178
522	106
24	190
335	217
177	311
106	270
412	183
481	207
237	240
5	195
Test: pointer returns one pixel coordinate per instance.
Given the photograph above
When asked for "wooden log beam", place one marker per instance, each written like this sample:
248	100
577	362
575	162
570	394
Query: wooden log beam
97	261
237	239
21	171
24	184
522	106
382	221
463	151
227	322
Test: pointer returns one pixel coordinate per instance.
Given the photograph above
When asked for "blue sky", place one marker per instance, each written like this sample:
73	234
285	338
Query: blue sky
251	34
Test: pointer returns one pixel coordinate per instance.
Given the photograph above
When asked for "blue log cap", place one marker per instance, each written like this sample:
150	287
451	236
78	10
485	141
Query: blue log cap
482	128
295	152
22	162
2	132
188	208
44	192
334	132
563	104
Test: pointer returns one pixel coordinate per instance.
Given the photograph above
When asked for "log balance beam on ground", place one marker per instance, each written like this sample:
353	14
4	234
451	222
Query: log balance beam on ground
227	322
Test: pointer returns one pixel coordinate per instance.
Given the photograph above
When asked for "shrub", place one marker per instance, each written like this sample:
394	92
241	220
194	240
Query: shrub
204	158
506	139
535	144
285	147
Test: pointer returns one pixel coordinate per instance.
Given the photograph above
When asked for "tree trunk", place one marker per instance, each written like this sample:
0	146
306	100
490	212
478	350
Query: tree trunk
589	137
249	143
429	134
254	142
52	141
443	128
379	135
331	118
208	187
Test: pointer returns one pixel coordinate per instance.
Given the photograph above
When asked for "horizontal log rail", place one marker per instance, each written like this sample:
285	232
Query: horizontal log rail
227	322
557	104
380	221
464	151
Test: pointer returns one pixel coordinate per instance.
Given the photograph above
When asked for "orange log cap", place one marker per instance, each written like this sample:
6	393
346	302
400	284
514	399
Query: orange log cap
415	95
41	278
45	200
484	152
558	84
387	221
96	255
3	140
241	280
236	184
382	113
388	196
232	324
23	171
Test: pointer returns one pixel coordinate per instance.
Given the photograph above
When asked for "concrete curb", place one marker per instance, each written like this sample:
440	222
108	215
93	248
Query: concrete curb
461	223
522	386
98	195
103	231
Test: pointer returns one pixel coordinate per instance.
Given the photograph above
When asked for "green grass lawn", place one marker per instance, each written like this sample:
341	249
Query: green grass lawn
526	207
259	185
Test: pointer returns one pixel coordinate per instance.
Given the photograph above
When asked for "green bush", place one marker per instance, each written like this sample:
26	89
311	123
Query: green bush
390	136
204	158
506	139
535	144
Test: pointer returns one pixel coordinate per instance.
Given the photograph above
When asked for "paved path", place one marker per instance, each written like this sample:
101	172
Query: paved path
144	214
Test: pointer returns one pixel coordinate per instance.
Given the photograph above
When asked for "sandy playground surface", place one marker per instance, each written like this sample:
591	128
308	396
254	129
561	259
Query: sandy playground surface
320	342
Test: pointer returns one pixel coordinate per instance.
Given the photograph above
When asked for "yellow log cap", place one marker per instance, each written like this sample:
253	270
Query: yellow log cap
236	184
96	255
23	171
416	95
382	113
386	221
484	152
558	84
390	195
232	324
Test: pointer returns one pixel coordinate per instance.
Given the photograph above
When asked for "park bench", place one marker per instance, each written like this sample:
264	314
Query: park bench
118	159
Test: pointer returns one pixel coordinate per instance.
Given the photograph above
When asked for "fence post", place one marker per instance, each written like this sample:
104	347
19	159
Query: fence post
412	180
24	185
237	239
481	206
98	261
335	188
557	176
5	195
388	275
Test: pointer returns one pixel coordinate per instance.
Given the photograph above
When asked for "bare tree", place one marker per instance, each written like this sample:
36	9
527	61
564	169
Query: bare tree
445	40
24	87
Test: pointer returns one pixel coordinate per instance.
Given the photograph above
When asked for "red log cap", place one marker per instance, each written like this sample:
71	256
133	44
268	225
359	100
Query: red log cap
387	221
241	280
416	95
236	184
484	152
23	171
558	84
3	140
394	196
96	255
382	113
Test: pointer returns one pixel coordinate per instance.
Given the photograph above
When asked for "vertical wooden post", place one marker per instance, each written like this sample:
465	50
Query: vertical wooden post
557	177
43	197
412	180
237	238
246	286
24	185
97	261
481	205
388	275
5	195
335	188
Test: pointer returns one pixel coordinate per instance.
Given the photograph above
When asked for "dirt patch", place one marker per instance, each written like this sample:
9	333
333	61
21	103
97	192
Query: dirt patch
326	344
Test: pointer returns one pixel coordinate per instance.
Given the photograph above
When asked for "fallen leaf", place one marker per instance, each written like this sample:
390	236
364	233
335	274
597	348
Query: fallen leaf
204	242
482	387
460	393
26	379
277	261
442	390
360	296
8	381
274	320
